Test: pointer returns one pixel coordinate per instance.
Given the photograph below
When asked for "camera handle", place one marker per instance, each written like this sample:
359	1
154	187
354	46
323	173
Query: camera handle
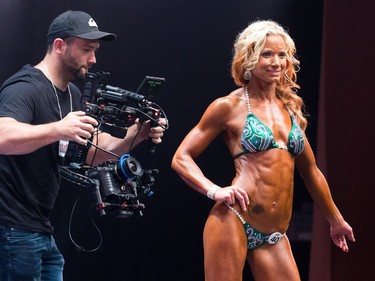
151	146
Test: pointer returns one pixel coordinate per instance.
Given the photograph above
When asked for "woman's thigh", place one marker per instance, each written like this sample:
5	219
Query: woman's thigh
225	246
274	262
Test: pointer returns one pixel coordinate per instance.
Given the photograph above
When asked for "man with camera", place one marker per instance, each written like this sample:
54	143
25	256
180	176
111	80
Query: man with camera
40	113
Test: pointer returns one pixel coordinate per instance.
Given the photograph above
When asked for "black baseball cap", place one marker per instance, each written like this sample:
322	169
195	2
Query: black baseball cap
78	24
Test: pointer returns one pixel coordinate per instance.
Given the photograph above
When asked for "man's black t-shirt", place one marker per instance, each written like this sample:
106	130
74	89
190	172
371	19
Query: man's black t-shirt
29	183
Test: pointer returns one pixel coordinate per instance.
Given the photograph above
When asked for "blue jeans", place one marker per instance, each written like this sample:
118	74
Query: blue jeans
29	256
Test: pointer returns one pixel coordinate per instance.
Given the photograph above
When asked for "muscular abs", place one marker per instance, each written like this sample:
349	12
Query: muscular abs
267	180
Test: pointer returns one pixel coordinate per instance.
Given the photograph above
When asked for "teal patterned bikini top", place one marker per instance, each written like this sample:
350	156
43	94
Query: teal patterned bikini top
256	136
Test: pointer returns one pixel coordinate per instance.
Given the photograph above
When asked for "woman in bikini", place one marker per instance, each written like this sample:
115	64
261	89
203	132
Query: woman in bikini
263	126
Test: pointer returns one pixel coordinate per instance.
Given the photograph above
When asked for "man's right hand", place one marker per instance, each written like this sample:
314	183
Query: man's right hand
77	126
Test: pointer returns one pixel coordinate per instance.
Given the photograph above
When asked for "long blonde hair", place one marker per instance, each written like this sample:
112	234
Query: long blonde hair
247	47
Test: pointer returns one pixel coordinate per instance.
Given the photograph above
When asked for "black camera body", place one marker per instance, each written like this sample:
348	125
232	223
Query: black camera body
117	185
122	184
116	109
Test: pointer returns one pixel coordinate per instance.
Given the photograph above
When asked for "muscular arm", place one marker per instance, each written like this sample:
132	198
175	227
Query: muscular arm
196	141
320	193
22	138
212	124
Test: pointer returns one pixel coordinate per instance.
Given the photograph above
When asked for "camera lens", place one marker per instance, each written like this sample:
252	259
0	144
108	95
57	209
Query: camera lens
129	166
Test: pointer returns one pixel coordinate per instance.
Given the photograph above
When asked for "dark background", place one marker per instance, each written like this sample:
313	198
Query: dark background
189	43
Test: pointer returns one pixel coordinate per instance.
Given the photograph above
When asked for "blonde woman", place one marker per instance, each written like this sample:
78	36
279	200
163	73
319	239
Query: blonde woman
264	129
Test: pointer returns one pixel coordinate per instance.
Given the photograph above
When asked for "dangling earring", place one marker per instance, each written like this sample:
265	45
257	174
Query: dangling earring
247	75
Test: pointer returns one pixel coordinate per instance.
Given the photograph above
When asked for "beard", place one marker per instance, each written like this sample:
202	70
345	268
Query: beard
80	75
75	72
72	68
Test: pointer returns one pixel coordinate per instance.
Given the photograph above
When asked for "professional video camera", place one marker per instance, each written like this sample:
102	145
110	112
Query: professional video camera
115	108
117	185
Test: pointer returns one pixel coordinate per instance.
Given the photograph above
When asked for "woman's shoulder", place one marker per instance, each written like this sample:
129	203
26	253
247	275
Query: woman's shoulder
229	101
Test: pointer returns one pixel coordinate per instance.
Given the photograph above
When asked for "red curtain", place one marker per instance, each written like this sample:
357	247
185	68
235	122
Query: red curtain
345	146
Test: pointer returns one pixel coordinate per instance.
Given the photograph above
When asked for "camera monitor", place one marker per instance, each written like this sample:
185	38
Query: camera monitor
149	86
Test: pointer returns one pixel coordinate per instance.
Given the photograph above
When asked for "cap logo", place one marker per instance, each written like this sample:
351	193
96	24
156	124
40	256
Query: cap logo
92	23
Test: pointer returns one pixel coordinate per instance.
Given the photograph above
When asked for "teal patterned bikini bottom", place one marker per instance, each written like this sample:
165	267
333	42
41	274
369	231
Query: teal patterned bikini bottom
256	238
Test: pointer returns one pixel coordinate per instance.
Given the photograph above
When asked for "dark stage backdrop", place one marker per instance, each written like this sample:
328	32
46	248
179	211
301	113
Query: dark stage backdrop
345	118
189	43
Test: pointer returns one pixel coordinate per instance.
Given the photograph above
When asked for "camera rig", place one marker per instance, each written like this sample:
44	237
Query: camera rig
116	109
117	185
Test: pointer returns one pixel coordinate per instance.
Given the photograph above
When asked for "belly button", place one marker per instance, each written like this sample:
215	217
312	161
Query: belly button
273	204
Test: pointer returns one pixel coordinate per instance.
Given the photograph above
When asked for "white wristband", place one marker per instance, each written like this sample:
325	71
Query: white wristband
212	190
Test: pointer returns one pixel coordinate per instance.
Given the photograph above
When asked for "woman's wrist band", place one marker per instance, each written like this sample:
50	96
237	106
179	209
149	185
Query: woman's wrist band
212	190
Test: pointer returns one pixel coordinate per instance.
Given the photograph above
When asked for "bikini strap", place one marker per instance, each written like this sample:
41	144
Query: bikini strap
247	99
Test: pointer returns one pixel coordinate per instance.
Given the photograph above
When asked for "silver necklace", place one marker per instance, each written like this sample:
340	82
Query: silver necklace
247	99
54	89
63	144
